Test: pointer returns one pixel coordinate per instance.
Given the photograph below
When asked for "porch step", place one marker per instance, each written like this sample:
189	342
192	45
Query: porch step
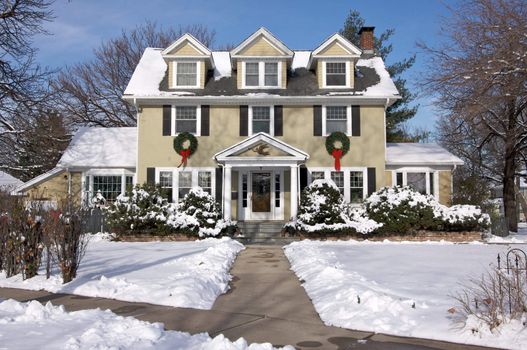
267	241
263	232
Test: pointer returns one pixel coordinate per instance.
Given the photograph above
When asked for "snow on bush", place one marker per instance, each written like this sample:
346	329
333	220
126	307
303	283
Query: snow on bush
144	209
391	210
98	329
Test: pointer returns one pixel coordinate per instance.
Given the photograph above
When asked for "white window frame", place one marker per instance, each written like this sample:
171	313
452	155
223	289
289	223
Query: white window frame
348	118
346	170
173	119
348	79
271	121
194	171
174	75
427	171
123	173
261	75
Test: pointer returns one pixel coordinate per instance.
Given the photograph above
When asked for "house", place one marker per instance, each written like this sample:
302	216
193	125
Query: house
260	115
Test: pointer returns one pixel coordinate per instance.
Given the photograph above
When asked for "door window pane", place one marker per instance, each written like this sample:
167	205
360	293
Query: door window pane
277	190
417	181
336	74
109	186
336	119
165	181
261	192
271	74
251	73
205	181
186	74
356	186
186	119
338	179
261	119
184	183
244	190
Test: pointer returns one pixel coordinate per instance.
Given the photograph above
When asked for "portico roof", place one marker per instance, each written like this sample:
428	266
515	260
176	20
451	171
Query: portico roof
261	149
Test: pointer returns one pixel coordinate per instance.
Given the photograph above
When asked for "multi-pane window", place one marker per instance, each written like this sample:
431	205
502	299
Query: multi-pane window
186	74
417	181
184	183
336	119
244	190
338	178
252	74
205	181
335	74
356	186
186	119
317	175
261	119
271	74
277	190
166	183
109	186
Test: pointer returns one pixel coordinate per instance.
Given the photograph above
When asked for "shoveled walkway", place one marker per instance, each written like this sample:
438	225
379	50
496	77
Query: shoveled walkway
266	303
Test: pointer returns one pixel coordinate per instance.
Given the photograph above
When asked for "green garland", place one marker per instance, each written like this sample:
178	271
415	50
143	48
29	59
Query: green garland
180	139
337	136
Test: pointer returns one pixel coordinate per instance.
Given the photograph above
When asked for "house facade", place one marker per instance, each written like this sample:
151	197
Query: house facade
259	116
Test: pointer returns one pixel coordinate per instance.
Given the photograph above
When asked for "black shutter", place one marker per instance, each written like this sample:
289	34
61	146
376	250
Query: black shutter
278	121
151	176
303	178
244	120
167	120
317	120
219	184
205	120
371	181
355	120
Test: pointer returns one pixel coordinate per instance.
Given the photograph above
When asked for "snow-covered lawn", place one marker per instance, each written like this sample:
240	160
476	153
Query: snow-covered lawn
35	326
520	237
181	274
389	279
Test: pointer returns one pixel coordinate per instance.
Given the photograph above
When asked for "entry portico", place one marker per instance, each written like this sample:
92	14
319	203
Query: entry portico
261	163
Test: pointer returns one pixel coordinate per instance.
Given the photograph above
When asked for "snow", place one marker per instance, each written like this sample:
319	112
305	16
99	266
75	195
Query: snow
222	64
32	325
385	87
513	238
149	72
8	181
101	148
390	278
300	59
180	274
419	153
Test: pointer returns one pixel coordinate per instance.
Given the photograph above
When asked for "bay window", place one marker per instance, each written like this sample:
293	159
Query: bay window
423	181
110	184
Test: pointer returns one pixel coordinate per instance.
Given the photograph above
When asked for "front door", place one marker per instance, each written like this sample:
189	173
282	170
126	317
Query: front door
261	195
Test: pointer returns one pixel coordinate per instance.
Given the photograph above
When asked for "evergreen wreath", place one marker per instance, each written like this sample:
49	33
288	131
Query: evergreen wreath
337	136
180	139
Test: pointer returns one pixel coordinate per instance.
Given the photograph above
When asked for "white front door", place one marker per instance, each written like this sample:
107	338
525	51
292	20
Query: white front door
261	195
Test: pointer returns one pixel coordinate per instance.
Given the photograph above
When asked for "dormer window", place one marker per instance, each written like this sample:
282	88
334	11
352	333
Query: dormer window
336	74
186	74
262	74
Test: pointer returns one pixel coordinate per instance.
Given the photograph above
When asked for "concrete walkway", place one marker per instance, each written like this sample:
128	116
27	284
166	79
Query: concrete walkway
266	303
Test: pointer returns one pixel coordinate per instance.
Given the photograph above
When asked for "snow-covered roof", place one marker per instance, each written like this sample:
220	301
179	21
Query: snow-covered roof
101	148
222	64
37	180
385	87
7	180
300	59
148	74
419	153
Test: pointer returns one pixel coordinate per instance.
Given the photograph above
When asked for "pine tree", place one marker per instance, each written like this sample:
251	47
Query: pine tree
401	111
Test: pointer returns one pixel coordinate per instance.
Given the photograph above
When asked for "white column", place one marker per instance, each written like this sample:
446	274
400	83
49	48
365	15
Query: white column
294	190
227	177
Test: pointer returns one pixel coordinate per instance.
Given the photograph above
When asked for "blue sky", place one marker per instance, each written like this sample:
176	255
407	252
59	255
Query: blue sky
80	26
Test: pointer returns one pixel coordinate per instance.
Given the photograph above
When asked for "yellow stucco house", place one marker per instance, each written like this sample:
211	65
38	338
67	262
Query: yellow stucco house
260	114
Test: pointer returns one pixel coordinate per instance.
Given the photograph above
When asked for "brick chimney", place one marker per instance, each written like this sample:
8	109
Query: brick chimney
366	39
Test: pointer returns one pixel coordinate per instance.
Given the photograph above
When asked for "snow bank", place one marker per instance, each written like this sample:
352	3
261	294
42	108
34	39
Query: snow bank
35	326
180	274
149	72
385	87
397	288
222	64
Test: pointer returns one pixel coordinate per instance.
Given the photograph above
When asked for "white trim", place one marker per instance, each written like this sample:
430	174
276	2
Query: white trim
192	40
266	35
271	119
348	118
261	75
174	76
348	75
194	170
423	170
276	213
346	170
342	41
173	119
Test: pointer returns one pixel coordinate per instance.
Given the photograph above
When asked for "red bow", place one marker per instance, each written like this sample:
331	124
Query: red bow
185	154
337	153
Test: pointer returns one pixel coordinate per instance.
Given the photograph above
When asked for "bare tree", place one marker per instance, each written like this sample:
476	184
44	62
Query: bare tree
479	76
90	92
